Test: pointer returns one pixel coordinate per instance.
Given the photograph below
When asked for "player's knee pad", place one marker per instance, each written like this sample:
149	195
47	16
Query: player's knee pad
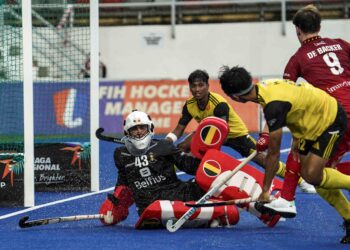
159	212
210	134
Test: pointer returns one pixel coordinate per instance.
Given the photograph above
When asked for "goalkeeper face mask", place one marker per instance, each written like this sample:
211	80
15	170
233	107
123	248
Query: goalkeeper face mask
138	128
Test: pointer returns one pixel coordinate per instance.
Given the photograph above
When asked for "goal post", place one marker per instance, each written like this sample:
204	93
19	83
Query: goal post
49	84
28	104
94	90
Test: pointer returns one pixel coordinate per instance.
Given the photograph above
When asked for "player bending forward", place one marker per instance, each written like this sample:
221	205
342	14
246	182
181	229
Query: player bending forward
147	176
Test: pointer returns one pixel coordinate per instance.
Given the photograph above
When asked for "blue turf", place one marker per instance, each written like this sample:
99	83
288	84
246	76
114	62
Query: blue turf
317	225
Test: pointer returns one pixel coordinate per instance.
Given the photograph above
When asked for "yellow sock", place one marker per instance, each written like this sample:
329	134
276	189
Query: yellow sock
336	199
300	180
281	169
333	179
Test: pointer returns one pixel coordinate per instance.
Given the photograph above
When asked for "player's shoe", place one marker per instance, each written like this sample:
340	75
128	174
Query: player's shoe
307	188
281	206
346	238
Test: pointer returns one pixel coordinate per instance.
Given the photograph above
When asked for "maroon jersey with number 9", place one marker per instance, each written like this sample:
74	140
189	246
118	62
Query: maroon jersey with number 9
325	63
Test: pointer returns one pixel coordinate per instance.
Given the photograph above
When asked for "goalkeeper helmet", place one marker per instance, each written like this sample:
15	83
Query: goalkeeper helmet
138	145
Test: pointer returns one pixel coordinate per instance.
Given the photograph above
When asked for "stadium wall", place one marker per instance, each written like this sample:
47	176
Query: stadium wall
149	52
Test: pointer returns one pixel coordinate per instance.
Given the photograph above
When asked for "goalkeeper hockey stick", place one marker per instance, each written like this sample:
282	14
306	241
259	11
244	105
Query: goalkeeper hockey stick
24	223
102	137
222	203
173	227
99	134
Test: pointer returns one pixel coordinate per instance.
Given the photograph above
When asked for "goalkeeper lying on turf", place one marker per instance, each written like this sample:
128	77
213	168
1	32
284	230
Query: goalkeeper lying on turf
146	176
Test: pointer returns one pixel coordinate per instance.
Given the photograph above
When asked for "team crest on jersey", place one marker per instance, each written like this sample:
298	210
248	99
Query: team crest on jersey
210	135
211	168
151	157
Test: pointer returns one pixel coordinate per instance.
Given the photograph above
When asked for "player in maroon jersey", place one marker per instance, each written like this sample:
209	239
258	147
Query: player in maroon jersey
325	63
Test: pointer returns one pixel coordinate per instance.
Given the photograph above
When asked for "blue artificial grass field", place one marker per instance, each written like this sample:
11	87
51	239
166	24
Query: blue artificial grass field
317	225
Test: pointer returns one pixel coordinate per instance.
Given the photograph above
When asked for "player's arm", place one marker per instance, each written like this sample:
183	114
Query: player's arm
292	69
222	111
116	206
180	128
275	115
271	162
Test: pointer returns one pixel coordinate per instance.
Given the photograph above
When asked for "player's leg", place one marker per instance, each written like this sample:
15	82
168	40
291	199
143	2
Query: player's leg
336	198
160	211
334	162
285	204
344	146
314	156
328	181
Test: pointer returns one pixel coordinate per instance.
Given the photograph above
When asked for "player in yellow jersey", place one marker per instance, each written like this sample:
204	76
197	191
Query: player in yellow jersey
317	123
204	104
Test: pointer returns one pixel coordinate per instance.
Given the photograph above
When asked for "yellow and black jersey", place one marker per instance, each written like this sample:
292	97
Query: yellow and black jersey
217	106
307	111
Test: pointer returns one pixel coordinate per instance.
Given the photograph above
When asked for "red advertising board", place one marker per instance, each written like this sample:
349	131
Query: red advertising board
163	101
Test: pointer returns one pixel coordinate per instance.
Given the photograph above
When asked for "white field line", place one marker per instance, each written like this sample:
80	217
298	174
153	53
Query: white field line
79	197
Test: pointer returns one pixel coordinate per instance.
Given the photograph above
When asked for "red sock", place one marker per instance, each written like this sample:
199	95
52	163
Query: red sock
291	178
344	167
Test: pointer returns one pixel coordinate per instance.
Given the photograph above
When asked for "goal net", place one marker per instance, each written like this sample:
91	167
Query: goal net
62	78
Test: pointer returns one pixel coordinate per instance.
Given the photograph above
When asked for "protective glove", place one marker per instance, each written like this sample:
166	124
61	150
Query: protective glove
263	142
116	207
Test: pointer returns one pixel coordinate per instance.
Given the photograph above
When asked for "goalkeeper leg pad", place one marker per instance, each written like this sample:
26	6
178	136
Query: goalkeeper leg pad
269	219
159	212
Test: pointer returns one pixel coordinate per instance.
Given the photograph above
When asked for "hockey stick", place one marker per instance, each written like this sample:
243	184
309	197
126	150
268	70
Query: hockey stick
102	137
24	223
172	227
223	203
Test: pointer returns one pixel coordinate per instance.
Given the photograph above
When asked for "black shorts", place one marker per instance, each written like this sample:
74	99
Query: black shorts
244	145
326	144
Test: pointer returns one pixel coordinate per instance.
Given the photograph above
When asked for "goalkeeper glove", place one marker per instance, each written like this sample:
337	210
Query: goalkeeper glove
116	207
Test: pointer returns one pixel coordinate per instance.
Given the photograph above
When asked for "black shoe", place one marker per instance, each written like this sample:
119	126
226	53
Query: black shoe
346	238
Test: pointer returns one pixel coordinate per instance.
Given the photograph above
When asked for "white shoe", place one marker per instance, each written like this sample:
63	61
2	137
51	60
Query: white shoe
307	188
282	207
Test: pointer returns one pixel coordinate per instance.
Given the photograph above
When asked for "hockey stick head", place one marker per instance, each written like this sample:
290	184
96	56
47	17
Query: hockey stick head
102	137
171	227
99	131
22	222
